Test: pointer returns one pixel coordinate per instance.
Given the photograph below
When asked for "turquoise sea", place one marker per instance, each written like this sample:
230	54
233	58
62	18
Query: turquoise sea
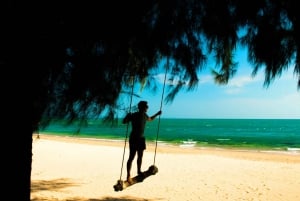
268	134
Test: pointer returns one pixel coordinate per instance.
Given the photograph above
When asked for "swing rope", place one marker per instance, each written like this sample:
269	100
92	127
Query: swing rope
127	128
161	102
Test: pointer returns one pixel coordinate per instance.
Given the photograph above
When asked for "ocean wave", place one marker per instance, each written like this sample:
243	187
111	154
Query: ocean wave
293	149
188	143
223	139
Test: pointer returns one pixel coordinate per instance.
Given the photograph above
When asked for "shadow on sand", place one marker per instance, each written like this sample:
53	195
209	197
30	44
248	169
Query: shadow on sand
58	184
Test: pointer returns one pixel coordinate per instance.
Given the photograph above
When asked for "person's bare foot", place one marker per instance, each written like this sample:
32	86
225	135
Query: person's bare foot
129	180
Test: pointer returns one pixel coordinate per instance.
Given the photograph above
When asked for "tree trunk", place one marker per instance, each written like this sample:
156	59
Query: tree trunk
22	167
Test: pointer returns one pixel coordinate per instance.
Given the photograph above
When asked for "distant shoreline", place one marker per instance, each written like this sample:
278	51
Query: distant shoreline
167	147
249	134
201	145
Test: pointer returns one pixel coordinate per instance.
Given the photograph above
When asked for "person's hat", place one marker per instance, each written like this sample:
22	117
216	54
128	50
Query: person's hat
142	104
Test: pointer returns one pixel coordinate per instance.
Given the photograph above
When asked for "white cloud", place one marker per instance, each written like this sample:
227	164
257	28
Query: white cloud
206	79
237	84
241	81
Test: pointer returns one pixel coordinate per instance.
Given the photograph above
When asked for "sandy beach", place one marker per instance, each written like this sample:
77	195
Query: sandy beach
77	169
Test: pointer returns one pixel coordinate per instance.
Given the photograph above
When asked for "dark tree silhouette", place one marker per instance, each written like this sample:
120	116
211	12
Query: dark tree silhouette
85	54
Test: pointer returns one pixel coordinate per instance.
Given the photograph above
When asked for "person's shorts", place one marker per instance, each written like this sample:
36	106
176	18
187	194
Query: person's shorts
137	143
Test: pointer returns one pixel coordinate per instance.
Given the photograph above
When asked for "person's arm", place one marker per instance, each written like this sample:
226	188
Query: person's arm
154	116
127	118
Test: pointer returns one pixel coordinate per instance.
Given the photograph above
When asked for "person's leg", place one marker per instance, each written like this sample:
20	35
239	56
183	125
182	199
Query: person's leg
139	161
129	162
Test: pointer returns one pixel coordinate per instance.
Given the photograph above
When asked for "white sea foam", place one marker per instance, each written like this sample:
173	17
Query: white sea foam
188	143
223	139
293	150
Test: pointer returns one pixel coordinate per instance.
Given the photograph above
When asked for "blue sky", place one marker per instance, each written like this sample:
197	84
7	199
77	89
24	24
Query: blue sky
243	97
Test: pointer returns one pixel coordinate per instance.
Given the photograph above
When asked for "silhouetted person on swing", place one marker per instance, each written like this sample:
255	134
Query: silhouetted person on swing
137	142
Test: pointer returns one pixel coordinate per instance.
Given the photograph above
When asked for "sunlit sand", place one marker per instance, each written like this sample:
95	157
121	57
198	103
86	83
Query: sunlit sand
67	168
